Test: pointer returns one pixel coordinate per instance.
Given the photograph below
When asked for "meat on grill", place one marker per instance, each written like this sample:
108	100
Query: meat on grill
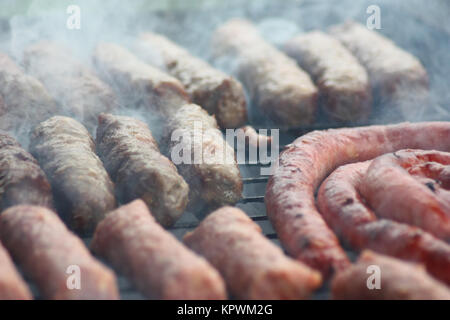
393	72
254	139
22	181
399	280
139	84
253	267
405	186
12	286
308	160
203	157
54	257
282	91
26	101
157	263
218	93
82	189
81	93
344	89
132	158
344	209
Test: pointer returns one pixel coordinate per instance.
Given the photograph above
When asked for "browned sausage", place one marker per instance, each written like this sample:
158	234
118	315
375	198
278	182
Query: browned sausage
276	85
82	189
254	139
12	286
139	84
81	93
345	210
343	83
132	158
159	266
309	159
22	181
26	100
211	172
218	93
398	281
39	241
253	267
394	73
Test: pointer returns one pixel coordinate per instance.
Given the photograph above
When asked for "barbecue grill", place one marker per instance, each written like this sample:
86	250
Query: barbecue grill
416	26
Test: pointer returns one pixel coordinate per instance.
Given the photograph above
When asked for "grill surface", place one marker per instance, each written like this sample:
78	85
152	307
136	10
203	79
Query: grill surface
425	37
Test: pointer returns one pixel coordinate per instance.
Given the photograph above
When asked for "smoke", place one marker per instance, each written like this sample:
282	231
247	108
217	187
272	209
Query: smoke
420	27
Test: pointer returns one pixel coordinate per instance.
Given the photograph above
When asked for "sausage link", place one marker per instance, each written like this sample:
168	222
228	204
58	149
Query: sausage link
343	83
157	263
132	158
213	90
306	162
394	73
398	281
12	286
26	100
210	170
51	255
276	85
253	267
139	84
395	194
81	93
82	189
22	181
344	209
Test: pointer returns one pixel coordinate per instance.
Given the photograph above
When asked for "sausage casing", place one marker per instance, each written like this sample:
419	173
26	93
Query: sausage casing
132	158
52	256
253	267
157	263
82	189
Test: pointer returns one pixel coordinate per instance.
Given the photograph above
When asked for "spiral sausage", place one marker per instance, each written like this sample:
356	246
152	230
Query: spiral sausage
309	159
344	209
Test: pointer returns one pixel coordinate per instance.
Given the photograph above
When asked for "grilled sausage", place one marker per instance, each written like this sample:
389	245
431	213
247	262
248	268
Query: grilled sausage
394	73
53	257
415	199
254	139
207	164
132	158
22	181
344	209
12	286
138	83
218	93
253	267
344	89
159	266
276	85
398	281
82	94
82	189
309	159
26	101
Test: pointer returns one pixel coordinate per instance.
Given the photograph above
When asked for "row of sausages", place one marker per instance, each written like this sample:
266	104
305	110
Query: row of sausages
227	252
339	71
